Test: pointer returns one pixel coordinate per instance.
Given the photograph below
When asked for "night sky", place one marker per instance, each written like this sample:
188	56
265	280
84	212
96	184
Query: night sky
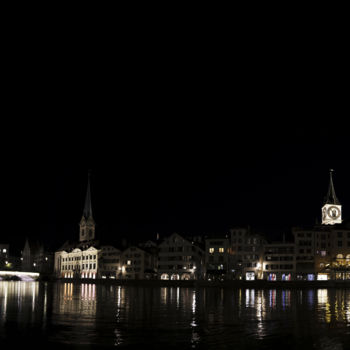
198	178
177	139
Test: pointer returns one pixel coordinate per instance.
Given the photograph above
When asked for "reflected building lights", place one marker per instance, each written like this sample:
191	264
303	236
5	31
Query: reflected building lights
323	304
310	297
164	295
250	297
285	299
3	294
260	313
195	338
272	298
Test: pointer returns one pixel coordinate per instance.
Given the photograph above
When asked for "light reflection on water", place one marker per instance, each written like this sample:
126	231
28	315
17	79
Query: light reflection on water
104	315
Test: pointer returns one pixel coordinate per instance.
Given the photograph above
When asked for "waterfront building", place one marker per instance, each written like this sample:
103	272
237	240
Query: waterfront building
82	259
279	261
247	251
218	258
137	263
110	264
180	258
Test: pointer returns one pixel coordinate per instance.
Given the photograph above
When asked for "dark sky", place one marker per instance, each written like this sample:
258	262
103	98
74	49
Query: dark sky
185	137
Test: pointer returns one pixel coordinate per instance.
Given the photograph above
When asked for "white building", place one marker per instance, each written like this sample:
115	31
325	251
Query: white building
80	260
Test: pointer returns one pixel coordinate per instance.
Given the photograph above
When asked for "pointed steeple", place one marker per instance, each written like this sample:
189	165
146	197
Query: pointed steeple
87	213
331	197
87	223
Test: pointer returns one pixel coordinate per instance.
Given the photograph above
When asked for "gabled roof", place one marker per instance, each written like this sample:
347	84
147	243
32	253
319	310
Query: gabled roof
174	235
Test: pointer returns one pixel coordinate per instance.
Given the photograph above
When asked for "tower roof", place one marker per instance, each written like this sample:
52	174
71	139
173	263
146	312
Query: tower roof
87	213
331	197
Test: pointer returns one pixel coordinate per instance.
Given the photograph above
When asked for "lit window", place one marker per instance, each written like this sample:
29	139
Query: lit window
221	250
4	250
211	250
128	262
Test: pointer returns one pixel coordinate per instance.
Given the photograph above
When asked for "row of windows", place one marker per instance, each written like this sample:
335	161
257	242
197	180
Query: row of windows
220	250
78	258
323	235
279	258
133	262
175	267
84	266
176	258
135	255
220	258
302	251
279	267
178	249
130	269
111	261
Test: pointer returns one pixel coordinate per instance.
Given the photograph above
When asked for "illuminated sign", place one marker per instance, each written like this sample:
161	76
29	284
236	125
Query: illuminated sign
250	276
322	277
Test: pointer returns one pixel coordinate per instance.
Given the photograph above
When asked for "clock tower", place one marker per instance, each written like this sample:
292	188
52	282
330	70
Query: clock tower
331	210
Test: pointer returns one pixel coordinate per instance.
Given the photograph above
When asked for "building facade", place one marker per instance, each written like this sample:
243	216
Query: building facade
279	262
110	264
180	259
218	258
247	250
137	264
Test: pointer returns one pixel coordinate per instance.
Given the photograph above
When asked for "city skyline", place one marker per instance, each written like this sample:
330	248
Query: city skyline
271	186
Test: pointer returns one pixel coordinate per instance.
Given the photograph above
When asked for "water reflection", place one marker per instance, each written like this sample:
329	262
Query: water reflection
67	313
19	297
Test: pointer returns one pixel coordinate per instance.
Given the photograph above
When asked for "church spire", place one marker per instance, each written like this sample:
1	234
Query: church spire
87	223
331	197
87	207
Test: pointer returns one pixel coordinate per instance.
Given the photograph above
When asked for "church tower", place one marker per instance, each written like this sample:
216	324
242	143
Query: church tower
87	223
331	210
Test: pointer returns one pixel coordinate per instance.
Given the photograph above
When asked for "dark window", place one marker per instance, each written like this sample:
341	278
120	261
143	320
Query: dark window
340	234
340	243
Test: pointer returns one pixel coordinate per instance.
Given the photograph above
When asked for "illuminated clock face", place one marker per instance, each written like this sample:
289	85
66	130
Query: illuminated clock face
333	212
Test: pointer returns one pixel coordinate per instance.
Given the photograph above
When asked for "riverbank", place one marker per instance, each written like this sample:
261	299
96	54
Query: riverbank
235	284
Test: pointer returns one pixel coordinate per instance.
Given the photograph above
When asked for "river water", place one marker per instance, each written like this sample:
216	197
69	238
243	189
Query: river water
66	315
